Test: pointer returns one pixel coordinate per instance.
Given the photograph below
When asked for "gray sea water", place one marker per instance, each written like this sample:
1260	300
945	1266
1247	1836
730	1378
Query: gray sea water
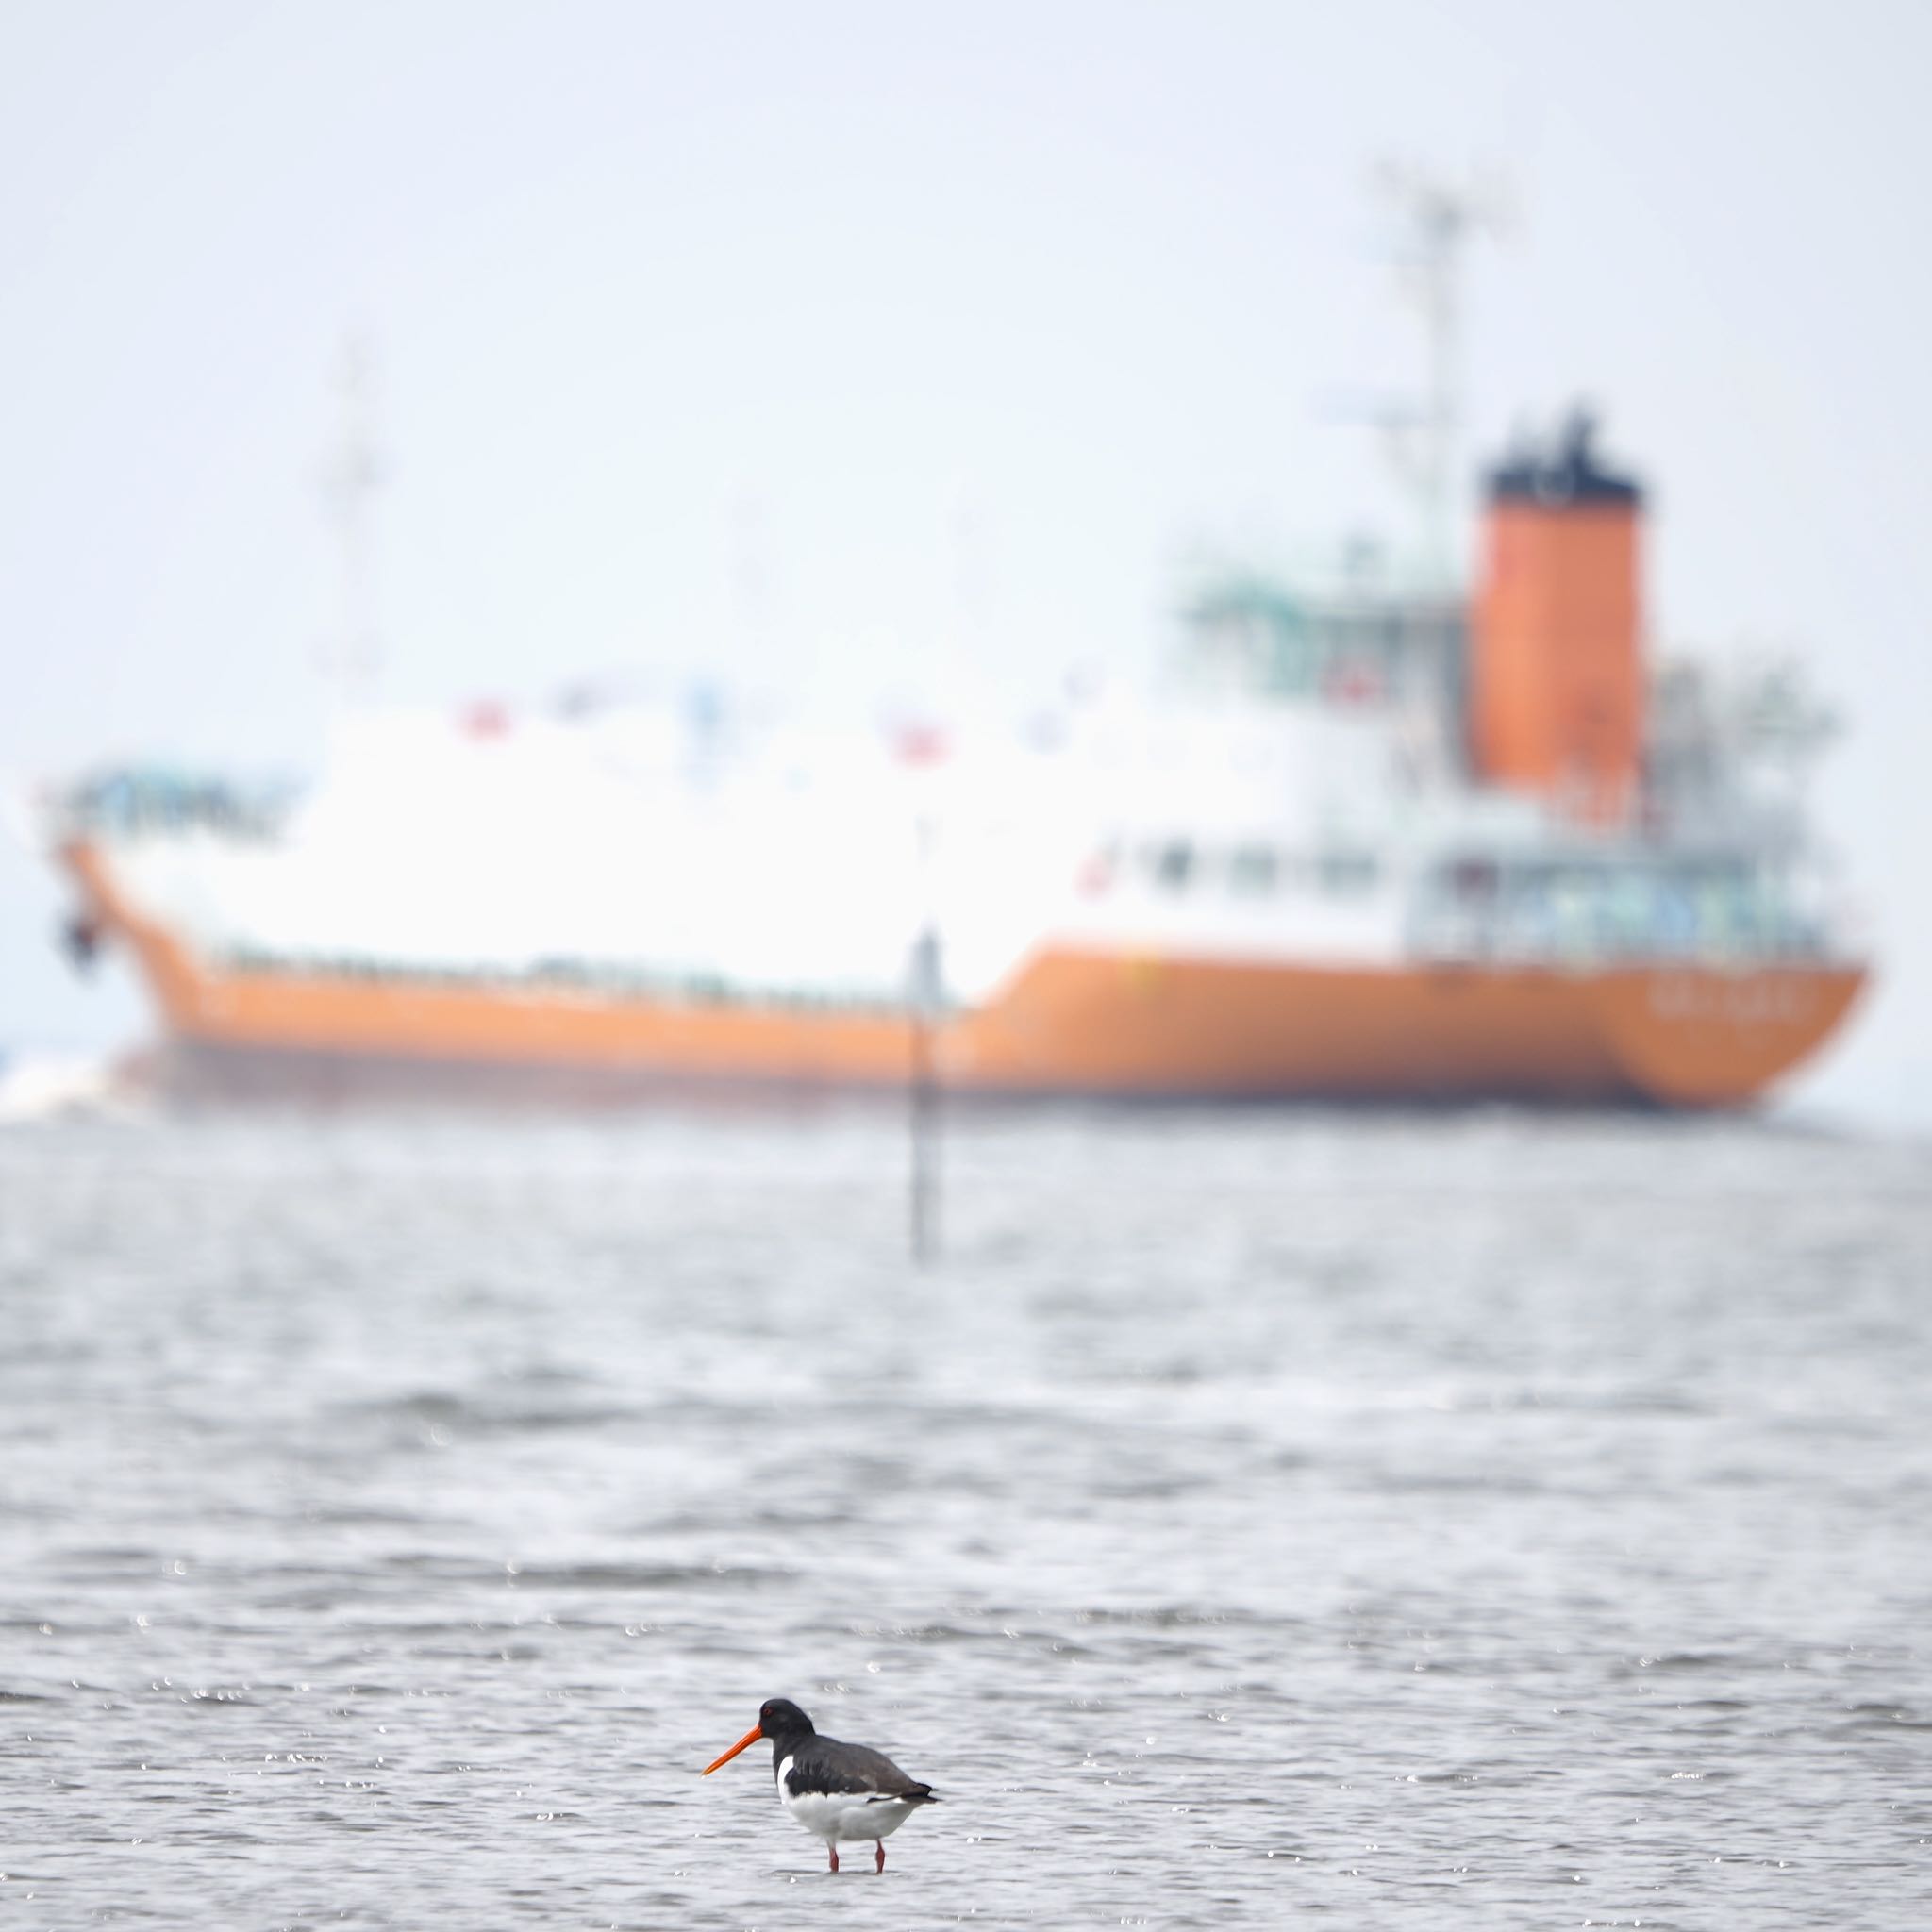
1494	1519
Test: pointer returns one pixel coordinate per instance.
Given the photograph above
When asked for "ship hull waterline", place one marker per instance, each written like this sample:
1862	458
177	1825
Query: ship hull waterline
1074	1023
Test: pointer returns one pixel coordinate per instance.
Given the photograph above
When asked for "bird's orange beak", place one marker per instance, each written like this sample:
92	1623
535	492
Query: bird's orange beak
751	1737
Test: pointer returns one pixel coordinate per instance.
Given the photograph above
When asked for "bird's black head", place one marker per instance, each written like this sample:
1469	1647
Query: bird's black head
782	1722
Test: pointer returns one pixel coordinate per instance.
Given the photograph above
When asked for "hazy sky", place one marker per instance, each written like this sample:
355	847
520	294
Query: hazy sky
844	345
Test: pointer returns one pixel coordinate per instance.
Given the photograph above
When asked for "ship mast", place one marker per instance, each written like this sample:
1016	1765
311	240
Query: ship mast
351	474
1437	219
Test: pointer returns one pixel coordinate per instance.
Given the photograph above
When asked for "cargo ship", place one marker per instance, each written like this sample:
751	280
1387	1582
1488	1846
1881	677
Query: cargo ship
1369	841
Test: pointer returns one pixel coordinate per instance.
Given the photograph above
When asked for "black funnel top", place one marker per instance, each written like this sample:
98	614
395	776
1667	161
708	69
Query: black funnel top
1564	469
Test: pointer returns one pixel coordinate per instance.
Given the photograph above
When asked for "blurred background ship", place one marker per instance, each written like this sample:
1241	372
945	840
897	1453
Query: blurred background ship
1370	841
1373	835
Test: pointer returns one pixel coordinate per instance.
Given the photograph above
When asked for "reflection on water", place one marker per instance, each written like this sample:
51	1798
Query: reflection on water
1251	1516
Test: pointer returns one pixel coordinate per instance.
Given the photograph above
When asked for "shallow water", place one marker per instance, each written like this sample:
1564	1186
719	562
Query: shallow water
1398	1521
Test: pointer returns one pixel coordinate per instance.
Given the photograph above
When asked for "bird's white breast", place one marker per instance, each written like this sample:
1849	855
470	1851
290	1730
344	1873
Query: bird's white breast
849	1815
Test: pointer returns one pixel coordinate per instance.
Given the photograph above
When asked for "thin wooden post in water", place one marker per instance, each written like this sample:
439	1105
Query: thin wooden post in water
926	999
925	1096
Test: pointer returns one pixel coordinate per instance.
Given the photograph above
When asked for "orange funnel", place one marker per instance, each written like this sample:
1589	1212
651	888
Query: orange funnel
1558	675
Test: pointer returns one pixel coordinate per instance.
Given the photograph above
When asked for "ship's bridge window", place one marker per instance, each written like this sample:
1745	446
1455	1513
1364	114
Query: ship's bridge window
1474	880
1344	871
1172	864
1254	870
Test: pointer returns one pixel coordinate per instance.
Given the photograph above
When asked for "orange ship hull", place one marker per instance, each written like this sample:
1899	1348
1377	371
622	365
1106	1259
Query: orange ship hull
1071	1023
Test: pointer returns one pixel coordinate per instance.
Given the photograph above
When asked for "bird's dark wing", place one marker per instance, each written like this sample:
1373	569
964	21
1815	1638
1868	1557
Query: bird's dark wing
825	1764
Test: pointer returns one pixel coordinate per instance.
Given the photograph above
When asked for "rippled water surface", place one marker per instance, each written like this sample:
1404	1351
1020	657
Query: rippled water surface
1519	1520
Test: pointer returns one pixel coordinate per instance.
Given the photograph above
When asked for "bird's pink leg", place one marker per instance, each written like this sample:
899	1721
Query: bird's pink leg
834	1851
879	1846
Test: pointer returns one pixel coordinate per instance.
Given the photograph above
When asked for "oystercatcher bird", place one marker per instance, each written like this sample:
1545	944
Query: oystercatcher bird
838	1791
